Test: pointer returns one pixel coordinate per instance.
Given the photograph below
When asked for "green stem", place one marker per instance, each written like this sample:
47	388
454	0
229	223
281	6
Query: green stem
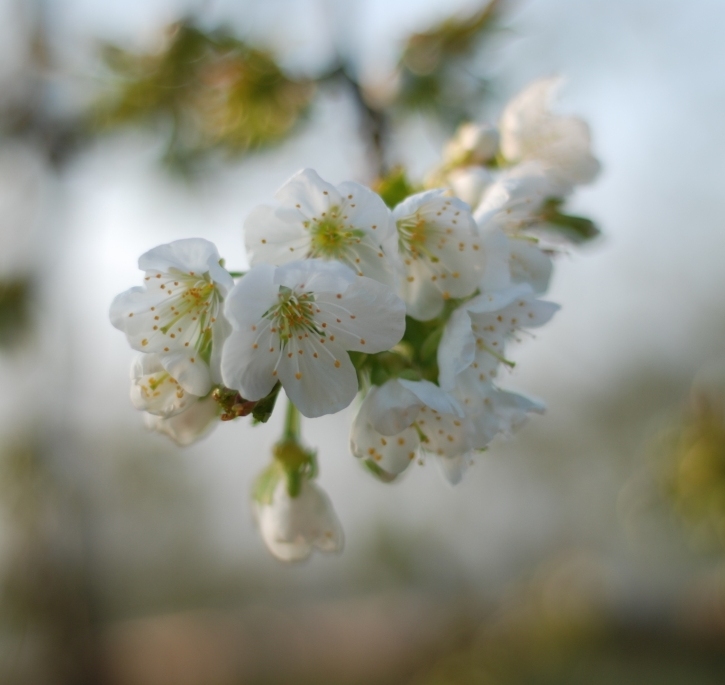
292	421
237	274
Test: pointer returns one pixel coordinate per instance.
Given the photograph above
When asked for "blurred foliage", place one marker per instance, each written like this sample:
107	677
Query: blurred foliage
691	454
217	91
15	297
395	186
435	68
44	602
577	229
556	629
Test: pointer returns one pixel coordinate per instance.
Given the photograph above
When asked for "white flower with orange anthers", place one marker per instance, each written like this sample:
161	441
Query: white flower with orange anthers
295	323
397	417
292	527
155	390
348	223
488	412
439	249
178	313
476	335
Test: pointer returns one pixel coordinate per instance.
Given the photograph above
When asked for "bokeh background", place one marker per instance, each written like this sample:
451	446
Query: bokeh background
588	549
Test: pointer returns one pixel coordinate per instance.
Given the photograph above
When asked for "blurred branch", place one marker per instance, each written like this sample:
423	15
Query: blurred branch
374	124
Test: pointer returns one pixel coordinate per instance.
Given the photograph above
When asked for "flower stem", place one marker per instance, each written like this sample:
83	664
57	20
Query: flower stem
292	421
237	274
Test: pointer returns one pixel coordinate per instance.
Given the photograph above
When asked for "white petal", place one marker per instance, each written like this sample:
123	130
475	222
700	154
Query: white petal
292	527
391	453
391	408
189	425
315	275
446	435
188	255
189	370
456	349
310	192
367	211
154	390
497	260
439	246
454	467
529	130
469	183
275	236
423	300
529	264
495	301
366	317
433	397
317	385
249	360
247	364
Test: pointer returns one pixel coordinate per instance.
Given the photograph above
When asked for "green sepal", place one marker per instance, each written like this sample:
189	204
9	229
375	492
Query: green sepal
429	348
297	463
578	229
380	474
266	482
264	408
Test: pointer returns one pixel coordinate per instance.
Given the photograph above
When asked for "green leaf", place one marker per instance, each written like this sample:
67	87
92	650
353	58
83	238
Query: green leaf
264	408
575	228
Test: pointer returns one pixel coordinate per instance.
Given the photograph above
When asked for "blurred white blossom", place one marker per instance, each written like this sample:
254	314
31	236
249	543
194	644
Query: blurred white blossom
292	527
531	131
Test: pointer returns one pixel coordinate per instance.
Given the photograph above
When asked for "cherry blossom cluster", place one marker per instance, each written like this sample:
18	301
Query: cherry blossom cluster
413	307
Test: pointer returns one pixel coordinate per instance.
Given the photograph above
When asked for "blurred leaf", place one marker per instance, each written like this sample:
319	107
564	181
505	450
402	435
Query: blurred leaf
394	187
215	91
575	228
14	310
435	65
692	468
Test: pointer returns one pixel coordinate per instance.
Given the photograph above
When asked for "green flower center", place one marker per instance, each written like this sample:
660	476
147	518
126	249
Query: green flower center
331	238
294	315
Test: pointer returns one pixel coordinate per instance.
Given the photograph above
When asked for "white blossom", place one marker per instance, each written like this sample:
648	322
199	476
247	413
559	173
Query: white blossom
514	202
348	223
440	252
193	423
177	314
403	419
154	390
292	527
475	336
295	323
510	209
531	131
488	411
472	144
395	417
469	183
